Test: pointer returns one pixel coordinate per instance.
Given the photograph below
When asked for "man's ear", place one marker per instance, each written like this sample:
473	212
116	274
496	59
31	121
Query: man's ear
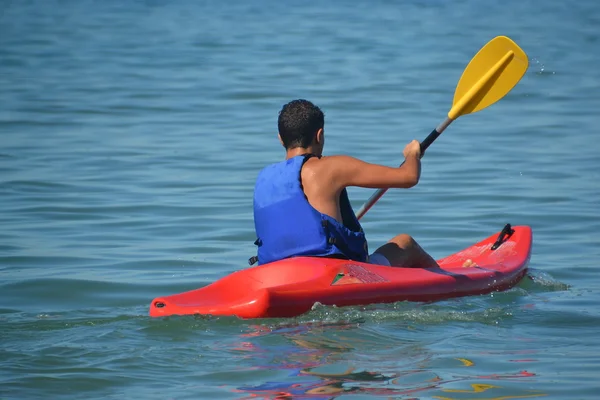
280	141
319	136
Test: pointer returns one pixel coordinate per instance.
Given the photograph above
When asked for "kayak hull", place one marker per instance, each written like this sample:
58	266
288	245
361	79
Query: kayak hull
290	287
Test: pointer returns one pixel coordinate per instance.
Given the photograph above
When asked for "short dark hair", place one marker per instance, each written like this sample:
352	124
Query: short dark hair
298	122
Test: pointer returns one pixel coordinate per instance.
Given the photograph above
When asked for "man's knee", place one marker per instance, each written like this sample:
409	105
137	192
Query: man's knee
403	240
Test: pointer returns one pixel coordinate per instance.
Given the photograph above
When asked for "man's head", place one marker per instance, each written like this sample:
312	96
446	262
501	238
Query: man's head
301	124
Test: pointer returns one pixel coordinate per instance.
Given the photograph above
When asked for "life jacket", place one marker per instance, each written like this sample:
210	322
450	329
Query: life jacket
288	226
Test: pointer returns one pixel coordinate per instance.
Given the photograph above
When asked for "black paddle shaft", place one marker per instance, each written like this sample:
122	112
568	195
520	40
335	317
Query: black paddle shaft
429	139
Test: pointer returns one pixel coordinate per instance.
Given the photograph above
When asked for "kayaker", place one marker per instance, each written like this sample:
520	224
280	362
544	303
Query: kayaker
301	205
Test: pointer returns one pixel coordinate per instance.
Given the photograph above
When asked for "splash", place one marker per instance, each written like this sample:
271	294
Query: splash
541	67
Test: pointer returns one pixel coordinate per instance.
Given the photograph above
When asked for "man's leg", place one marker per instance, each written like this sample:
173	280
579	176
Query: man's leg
404	251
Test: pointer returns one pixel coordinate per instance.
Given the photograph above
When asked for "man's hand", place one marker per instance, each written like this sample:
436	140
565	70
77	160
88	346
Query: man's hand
412	149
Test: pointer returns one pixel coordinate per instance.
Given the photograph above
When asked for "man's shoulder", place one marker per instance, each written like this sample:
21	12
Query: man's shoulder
337	161
327	169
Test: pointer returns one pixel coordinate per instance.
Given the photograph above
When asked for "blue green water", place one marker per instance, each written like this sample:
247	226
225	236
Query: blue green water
130	137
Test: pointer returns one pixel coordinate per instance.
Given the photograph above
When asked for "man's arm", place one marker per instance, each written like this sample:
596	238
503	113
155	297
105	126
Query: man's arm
349	171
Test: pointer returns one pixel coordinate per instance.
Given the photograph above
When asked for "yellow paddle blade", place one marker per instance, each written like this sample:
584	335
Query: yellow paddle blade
490	75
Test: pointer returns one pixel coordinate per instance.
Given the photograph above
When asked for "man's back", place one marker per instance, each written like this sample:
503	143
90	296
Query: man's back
319	187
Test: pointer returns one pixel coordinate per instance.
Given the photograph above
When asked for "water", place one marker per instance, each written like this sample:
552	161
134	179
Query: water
131	135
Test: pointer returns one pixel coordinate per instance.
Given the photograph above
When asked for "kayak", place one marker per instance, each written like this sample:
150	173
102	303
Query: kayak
290	287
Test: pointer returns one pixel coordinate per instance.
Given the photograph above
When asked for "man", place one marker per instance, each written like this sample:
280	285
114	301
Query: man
301	206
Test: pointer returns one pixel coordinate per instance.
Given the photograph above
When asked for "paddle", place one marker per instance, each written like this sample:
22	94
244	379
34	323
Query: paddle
490	75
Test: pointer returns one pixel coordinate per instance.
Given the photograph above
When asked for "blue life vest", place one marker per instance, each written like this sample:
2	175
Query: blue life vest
288	226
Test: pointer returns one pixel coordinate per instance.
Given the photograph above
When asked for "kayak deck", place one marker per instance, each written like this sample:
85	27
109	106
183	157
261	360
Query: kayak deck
290	287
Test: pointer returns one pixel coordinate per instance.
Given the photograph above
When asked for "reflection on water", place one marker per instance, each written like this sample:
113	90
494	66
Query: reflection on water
320	361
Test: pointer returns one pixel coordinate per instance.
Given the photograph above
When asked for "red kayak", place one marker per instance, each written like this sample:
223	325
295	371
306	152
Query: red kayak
290	287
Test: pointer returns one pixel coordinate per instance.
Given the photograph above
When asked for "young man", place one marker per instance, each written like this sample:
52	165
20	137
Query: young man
301	206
